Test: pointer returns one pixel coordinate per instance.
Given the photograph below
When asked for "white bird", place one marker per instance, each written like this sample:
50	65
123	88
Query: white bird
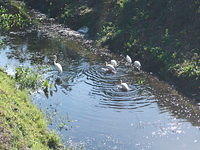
137	64
128	59
124	86
57	65
109	68
114	63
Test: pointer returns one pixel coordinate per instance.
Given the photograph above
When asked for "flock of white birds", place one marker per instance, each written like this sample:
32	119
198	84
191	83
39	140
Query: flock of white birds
110	68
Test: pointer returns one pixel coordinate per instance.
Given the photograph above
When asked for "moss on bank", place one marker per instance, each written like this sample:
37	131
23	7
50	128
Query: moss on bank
22	125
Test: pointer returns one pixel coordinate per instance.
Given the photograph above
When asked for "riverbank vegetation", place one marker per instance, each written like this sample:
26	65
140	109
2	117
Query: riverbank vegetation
28	78
13	15
163	35
22	124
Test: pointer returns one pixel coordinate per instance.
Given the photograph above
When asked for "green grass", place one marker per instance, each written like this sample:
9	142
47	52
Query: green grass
22	125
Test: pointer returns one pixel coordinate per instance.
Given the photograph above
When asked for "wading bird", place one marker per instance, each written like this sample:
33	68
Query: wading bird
114	63
57	65
137	65
128	59
124	86
109	68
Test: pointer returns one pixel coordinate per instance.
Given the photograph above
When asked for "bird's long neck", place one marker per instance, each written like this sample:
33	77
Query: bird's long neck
55	59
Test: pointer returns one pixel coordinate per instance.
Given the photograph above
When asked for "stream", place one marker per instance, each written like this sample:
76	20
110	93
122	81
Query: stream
88	110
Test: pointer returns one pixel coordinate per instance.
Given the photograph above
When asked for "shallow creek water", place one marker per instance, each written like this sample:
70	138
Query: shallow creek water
87	109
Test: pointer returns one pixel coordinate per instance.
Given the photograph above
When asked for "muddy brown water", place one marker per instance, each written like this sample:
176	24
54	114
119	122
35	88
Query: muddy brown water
88	110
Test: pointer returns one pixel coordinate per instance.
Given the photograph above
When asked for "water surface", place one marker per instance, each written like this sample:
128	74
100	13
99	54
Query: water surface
89	111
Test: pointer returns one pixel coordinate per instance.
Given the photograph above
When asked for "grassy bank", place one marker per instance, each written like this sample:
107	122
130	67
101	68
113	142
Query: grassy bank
163	35
22	125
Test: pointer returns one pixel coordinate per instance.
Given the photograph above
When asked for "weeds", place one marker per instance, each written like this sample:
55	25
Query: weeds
30	79
2	43
188	68
10	19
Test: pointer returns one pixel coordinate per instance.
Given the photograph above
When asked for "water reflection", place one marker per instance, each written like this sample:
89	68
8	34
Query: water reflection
172	101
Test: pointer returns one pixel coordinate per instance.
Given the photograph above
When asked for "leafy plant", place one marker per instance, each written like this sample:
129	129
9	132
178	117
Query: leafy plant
121	3
12	20
140	81
28	78
1	42
188	69
109	30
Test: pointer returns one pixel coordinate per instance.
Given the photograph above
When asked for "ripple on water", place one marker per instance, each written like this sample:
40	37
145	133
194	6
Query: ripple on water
105	86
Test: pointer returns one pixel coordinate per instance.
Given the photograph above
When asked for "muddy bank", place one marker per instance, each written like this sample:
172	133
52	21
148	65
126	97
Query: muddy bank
49	28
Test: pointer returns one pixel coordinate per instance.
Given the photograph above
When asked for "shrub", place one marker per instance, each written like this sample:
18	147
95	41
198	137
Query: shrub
28	78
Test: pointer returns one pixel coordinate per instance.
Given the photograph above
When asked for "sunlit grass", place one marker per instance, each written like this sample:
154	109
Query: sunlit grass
22	125
188	69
